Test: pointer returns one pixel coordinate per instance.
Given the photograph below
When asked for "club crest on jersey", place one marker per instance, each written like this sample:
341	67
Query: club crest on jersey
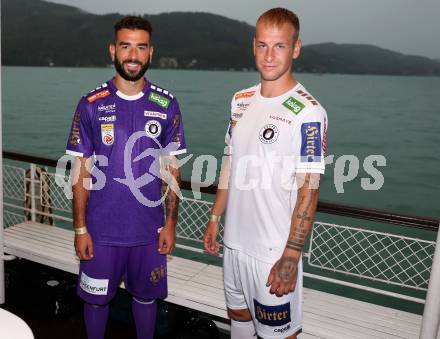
107	134
153	128
269	134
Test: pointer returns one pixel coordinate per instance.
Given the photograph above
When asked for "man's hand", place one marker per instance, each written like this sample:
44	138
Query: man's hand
283	275
210	238
84	246
167	239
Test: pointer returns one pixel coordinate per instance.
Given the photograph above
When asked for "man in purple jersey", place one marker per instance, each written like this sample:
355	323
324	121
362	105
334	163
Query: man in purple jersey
126	129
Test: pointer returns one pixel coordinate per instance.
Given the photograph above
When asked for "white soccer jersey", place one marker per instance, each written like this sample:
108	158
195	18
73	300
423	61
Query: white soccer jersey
269	139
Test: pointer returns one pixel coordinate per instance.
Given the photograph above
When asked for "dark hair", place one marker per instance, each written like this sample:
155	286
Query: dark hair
279	16
133	22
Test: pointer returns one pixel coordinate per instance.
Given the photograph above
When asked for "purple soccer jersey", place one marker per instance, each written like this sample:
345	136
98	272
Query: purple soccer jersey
126	135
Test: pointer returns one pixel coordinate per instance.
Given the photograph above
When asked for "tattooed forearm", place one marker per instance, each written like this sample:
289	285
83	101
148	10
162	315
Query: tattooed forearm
302	216
287	268
299	232
170	187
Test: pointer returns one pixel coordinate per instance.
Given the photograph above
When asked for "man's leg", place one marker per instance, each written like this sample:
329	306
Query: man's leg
95	317
146	280
275	317
242	326
98	282
144	314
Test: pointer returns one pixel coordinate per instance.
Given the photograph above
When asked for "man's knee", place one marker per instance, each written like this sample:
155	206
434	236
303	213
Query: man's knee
240	315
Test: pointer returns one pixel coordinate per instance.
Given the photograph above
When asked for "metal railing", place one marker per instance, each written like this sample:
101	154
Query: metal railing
392	258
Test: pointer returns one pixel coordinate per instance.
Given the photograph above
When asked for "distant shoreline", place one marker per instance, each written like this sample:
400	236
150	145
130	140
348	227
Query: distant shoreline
227	70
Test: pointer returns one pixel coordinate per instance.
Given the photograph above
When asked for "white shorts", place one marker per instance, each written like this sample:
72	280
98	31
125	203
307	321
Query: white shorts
245	287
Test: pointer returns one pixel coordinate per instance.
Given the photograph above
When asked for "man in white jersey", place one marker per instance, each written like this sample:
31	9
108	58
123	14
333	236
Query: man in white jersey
269	187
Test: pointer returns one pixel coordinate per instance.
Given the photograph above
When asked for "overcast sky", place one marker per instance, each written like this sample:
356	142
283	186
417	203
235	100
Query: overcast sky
407	26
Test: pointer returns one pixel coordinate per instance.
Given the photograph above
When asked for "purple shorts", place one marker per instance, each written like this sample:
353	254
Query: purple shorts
142	268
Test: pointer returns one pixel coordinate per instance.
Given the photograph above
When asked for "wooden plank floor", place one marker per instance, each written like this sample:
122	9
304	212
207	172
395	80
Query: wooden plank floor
199	286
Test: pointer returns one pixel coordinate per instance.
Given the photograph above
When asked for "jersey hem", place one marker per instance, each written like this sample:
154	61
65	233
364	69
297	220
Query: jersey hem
181	151
124	244
268	259
310	170
75	154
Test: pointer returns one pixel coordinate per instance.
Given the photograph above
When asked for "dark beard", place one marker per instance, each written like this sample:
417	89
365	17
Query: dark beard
127	76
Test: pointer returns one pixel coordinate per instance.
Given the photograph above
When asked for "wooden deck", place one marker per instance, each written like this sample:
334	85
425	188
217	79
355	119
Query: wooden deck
199	286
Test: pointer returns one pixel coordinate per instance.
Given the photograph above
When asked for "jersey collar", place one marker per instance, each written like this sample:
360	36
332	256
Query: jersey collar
129	97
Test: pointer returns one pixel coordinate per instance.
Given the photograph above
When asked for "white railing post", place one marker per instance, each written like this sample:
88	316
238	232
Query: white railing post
2	267
431	313
32	186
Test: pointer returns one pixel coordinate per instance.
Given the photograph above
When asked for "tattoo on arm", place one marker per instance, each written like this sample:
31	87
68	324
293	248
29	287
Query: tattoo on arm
298	235
302	218
171	198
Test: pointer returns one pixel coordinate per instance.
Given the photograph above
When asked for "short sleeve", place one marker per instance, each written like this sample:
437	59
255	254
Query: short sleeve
310	142
174	138
228	135
80	141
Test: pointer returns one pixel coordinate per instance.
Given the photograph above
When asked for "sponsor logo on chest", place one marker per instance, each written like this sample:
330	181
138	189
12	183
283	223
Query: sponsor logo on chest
107	108
237	115
111	118
242	106
152	114
278	118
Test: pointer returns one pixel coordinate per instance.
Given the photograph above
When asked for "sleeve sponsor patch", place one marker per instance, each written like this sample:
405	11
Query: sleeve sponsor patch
293	105
74	137
98	95
277	315
311	142
244	95
159	99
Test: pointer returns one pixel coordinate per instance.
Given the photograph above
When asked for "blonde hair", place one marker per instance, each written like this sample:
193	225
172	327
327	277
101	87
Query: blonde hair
279	16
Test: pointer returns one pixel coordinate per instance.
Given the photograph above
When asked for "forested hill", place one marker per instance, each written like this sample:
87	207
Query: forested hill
38	33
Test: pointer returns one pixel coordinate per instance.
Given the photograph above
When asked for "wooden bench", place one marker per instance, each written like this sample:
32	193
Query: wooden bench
200	286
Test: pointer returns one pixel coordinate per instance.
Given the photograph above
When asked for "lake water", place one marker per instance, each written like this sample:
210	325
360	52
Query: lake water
395	117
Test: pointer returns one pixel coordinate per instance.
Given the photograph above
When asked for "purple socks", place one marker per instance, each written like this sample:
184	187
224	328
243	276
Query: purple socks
144	314
95	317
